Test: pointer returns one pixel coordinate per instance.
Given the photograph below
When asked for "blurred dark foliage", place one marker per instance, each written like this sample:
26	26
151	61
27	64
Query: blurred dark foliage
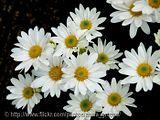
20	15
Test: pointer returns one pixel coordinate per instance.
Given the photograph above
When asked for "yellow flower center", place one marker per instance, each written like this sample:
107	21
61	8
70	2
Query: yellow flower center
86	105
144	70
71	41
135	14
28	92
103	58
81	73
35	51
86	24
114	99
55	73
154	3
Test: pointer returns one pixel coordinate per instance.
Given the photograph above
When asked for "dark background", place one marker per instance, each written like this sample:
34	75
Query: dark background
20	15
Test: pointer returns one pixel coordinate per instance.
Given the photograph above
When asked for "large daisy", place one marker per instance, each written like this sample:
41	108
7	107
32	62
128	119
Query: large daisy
83	107
50	78
106	54
89	20
150	7
140	67
69	38
31	49
114	99
129	17
83	74
22	94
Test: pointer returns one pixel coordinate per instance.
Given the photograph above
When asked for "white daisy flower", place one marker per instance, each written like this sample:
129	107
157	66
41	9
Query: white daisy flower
82	106
150	7
89	20
106	54
140	67
69	38
50	78
22	94
157	37
129	17
83	74
30	50
114	99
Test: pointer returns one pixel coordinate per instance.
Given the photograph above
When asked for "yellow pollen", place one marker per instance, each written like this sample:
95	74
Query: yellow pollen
55	73
114	99
154	3
86	24
135	14
81	73
71	41
103	58
86	105
35	51
144	70
28	92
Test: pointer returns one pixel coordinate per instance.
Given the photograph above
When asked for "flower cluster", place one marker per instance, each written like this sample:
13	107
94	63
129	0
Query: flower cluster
75	58
136	13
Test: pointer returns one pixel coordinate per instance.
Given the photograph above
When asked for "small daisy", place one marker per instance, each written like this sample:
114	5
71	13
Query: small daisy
50	78
106	54
140	67
22	94
129	17
157	37
114	99
31	49
69	38
150	7
89	20
83	74
82	106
